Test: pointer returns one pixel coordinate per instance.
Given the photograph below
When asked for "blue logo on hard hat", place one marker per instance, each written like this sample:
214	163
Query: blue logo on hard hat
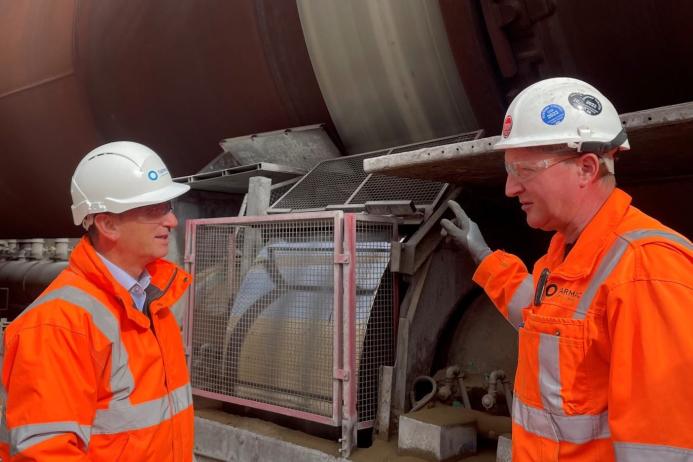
552	114
152	175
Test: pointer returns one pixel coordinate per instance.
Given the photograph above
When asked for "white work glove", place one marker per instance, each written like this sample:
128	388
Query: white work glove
465	232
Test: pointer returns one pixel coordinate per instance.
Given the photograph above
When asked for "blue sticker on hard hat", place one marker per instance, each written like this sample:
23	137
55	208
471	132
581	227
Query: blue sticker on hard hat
152	175
586	103
552	114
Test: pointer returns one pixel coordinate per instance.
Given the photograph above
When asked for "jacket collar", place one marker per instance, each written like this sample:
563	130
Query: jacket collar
170	279
592	241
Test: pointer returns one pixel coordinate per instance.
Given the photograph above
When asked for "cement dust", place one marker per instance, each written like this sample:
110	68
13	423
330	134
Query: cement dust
380	451
271	430
386	451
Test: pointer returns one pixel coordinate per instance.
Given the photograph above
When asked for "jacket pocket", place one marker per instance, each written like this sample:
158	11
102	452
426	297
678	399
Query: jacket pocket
552	350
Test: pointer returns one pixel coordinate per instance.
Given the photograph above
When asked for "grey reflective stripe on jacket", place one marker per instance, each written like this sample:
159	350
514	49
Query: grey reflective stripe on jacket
122	384
577	429
522	298
550	373
632	452
549	359
613	257
26	436
142	415
121	415
552	422
108	421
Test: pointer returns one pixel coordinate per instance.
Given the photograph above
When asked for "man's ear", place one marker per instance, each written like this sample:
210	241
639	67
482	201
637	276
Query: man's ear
588	165
108	226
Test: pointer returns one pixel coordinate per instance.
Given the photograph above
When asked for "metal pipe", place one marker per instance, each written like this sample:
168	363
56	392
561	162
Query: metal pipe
489	399
37	249
61	249
455	371
11	247
420	403
463	391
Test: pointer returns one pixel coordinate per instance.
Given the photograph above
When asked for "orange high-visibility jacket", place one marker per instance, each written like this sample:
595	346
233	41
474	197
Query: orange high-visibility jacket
605	366
90	378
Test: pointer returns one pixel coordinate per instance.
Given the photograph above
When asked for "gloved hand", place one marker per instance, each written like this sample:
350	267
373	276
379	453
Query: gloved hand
465	232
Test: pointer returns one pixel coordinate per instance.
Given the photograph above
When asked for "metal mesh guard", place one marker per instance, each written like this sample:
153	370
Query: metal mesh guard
330	182
263	315
375	343
343	181
262	325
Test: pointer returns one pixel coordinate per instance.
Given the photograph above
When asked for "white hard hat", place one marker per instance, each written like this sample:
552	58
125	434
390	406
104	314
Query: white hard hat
563	111
120	176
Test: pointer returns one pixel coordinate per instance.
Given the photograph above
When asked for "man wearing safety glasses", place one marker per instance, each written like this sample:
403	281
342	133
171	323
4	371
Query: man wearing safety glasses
605	317
95	368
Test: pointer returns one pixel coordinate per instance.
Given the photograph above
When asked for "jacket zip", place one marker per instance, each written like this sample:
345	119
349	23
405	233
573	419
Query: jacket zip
539	291
168	388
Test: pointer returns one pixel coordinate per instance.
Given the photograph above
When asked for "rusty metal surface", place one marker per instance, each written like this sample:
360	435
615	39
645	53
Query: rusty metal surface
180	76
635	51
45	122
177	76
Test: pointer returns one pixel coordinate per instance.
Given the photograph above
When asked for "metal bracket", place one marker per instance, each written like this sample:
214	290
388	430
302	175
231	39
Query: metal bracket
342	374
341	259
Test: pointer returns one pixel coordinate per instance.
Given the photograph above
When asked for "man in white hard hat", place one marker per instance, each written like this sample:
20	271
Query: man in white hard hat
604	318
95	368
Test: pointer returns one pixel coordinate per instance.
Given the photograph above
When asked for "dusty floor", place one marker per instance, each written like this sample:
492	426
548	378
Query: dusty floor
380	451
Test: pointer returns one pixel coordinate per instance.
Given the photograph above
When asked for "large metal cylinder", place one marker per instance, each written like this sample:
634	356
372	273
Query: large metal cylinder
39	276
22	280
12	279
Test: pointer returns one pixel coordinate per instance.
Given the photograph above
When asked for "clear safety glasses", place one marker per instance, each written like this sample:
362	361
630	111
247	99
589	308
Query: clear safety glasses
524	170
151	214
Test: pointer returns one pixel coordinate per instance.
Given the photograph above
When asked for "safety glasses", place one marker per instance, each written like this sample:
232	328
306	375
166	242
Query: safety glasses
151	214
524	170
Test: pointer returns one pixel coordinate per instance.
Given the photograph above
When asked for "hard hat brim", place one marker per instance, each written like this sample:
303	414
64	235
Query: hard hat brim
164	194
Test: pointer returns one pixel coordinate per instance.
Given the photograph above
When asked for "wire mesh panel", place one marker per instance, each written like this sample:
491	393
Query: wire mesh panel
332	181
343	181
375	302
262	324
278	190
276	321
388	188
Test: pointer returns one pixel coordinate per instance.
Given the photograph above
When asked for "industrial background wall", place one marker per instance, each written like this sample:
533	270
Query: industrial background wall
181	76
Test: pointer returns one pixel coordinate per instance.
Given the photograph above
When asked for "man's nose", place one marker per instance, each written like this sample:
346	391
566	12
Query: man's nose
512	187
170	220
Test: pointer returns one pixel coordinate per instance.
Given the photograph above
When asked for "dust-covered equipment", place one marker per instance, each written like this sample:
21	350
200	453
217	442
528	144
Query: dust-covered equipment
293	314
342	183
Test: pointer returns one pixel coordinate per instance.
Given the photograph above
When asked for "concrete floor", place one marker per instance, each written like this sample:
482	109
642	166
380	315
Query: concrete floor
221	436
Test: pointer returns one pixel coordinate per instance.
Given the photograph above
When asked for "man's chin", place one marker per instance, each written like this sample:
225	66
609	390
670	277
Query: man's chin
162	251
535	223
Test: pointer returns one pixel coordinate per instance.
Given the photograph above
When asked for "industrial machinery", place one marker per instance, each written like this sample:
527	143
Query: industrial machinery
180	78
357	78
293	313
27	266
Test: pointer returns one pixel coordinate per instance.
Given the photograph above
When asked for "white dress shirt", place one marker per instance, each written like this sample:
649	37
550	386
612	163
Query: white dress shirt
134	286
